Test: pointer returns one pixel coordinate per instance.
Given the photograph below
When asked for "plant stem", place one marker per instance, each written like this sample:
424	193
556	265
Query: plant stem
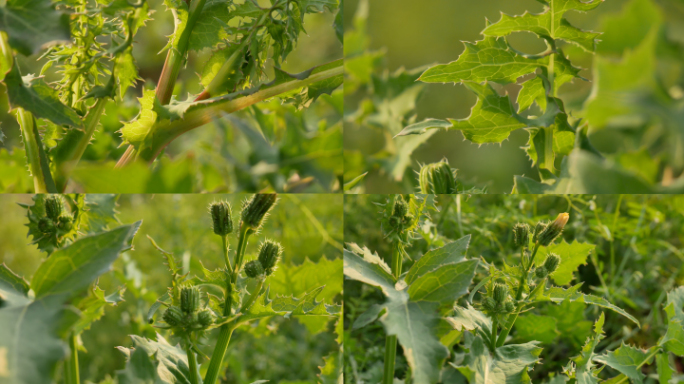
391	340
72	364
224	241
254	295
227	329
192	365
65	168
495	325
42	179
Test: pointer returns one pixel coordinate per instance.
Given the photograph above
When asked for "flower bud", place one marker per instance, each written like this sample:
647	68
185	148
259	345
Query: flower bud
522	234
488	304
539	228
46	225
553	229
173	316
65	222
254	269
269	255
53	207
552	262
190	299
400	208
541	272
255	210
221	217
500	293
509	306
437	179
205	318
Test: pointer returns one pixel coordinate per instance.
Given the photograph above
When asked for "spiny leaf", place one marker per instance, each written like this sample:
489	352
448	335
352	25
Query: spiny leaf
33	24
535	327
362	265
353	182
453	252
572	256
296	280
549	24
558	295
210	28
11	281
585	372
35	96
673	341
92	307
169	363
627	360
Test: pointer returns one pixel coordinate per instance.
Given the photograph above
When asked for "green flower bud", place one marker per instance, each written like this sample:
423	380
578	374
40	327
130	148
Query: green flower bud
255	210
400	208
500	292
437	179
254	269
541	272
221	217
552	262
46	225
173	316
522	235
509	306
269	255
205	318
65	222
539	228
488	304
553	229
53	207
190	299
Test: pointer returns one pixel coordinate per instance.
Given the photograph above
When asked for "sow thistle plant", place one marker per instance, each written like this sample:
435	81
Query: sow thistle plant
59	120
434	309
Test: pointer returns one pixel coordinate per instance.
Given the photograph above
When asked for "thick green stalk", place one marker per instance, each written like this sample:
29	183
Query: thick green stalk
391	340
227	329
548	131
65	168
40	170
192	365
72	363
252	298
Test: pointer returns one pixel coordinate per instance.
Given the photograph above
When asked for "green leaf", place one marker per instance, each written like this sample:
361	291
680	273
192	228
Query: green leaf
179	9
626	30
490	59
289	306
572	256
665	370
210	27
92	307
35	96
424	126
558	295
125	71
169	363
444	285
136	130
371	314
33	24
453	252
470	319
673	341
532	90
533	327
362	265
297	280
585	372
11	281
563	142
338	24
627	360
549	24
353	182
508	364
74	267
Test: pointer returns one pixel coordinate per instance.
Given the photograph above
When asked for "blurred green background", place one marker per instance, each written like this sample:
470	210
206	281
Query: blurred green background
638	258
421	33
223	156
280	350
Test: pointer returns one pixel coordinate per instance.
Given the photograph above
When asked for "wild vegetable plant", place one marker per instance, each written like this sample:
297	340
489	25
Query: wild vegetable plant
42	319
427	310
59	120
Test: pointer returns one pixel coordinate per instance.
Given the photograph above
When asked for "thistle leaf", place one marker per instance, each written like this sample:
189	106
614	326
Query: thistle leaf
33	24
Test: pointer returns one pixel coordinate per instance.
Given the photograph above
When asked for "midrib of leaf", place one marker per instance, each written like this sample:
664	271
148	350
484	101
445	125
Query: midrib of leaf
17	332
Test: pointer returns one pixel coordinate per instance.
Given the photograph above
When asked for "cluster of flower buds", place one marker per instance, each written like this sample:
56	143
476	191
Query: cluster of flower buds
500	302
256	209
56	220
437	179
267	262
221	218
401	218
522	235
190	316
550	265
543	233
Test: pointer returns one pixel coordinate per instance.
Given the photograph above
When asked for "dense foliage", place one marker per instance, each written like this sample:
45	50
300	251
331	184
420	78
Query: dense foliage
81	104
173	307
496	298
622	136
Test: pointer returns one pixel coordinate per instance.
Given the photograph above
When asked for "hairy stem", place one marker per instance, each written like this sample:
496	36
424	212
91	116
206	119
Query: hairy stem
391	340
227	329
224	241
40	170
64	169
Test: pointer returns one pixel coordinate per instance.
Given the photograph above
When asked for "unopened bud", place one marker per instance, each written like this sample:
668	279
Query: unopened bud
552	262
509	306
65	222
522	234
437	179
173	316
500	293
254	269
541	272
221	218
553	229
205	318
488	304
190	299
53	207
255	210
539	228
46	225
400	208
269	255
